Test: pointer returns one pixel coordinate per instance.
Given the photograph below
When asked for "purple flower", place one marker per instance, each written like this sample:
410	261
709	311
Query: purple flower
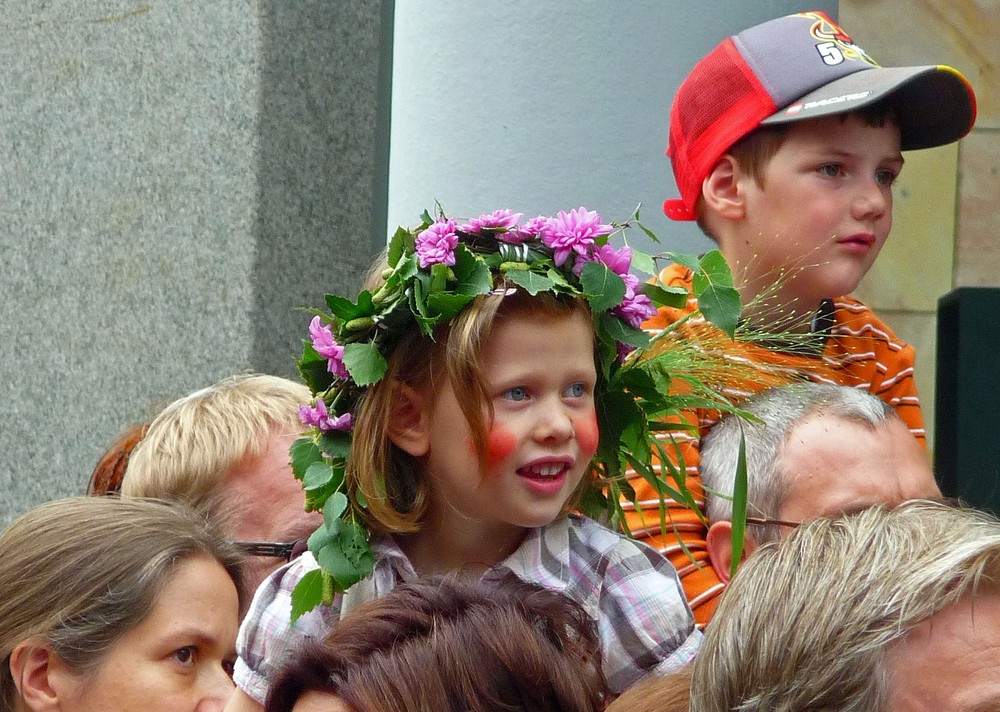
436	245
328	348
502	219
571	232
529	231
319	417
618	261
635	308
623	351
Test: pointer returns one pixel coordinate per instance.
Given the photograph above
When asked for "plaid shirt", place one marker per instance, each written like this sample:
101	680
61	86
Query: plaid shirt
629	589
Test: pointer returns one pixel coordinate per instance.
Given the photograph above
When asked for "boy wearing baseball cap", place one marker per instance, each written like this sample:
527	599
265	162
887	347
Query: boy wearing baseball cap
785	141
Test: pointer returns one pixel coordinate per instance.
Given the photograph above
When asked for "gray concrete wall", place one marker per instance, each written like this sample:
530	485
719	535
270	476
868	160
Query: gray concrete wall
175	178
540	106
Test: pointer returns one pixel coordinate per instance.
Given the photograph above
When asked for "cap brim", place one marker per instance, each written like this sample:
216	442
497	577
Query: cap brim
935	104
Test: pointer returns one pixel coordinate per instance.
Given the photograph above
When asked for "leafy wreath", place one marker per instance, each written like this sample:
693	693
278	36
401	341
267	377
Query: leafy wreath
434	271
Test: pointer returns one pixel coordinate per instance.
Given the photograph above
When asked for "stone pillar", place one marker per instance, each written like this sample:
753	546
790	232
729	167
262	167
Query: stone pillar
175	178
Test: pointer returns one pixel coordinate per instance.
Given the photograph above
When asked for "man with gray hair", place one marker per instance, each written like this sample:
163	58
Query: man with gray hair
885	610
813	450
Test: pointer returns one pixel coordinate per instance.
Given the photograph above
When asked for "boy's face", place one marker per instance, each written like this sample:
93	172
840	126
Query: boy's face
816	222
541	375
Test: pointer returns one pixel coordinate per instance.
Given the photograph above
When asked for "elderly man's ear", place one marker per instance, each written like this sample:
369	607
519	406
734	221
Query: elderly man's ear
719	542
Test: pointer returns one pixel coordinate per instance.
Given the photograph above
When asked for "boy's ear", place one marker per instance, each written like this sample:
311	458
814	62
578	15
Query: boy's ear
38	675
719	542
409	420
720	189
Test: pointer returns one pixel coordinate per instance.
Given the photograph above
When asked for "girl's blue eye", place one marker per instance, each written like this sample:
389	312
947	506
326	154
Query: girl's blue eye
831	169
518	393
577	390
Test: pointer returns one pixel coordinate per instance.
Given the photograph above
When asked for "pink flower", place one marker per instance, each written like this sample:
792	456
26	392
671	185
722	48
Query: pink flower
529	231
328	348
618	261
319	417
635	308
502	219
436	245
571	232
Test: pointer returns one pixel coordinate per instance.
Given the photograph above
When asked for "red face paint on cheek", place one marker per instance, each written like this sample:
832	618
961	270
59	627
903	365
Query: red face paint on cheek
587	433
500	443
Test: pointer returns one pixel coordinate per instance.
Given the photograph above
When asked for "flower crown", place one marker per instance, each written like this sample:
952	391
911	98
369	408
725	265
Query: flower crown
436	270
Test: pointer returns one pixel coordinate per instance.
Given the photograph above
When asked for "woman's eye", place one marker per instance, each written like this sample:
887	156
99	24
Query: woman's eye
831	169
518	393
577	390
185	656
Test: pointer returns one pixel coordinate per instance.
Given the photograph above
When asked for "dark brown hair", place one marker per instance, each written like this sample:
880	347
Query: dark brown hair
453	644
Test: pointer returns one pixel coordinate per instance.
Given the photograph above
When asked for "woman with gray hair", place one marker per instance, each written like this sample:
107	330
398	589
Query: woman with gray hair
116	605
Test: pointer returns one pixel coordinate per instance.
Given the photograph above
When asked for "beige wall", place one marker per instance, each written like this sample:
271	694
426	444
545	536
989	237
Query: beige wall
946	198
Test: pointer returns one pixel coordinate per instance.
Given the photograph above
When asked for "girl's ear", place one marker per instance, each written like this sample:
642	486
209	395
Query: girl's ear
409	421
720	189
37	673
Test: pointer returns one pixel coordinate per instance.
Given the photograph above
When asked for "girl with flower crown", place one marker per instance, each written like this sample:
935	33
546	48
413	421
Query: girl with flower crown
458	420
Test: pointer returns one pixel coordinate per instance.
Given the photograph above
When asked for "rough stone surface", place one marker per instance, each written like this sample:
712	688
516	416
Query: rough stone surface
175	177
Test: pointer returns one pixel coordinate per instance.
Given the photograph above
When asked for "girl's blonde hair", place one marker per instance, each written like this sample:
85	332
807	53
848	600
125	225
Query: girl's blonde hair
389	478
77	573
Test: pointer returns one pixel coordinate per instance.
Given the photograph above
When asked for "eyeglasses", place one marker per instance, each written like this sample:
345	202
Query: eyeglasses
279	550
776	522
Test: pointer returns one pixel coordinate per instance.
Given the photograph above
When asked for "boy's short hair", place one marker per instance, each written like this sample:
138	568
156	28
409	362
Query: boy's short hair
798	67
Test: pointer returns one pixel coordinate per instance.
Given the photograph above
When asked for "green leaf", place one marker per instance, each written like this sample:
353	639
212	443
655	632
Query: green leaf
685	260
334	507
308	594
472	274
314	370
604	289
354	542
641	262
439	279
364	362
339	566
640	383
446	305
558	279
665	296
401	242
739	505
317	475
530	282
335	444
621	331
718	300
721	306
649	233
713	269
303	453
341	307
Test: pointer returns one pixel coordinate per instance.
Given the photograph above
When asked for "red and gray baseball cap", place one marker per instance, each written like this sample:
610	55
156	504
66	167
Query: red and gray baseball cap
798	67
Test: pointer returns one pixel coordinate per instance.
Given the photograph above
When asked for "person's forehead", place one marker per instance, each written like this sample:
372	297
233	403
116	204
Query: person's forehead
949	662
833	464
